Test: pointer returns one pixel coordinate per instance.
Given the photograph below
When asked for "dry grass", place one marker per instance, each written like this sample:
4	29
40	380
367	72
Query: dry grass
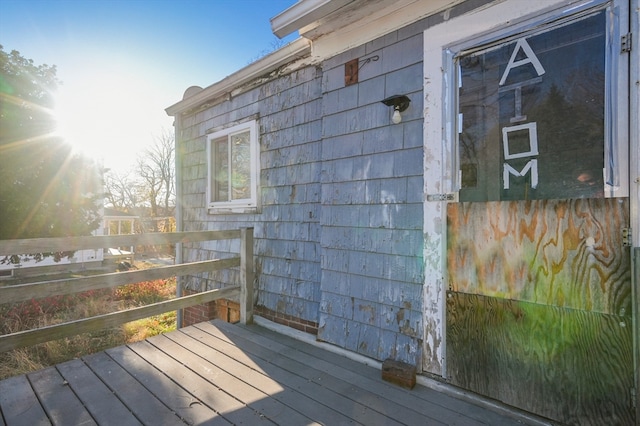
54	310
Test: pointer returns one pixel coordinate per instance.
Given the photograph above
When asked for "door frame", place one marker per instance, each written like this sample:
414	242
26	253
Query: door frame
440	169
634	172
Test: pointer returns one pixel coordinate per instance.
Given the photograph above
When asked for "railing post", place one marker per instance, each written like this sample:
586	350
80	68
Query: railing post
246	275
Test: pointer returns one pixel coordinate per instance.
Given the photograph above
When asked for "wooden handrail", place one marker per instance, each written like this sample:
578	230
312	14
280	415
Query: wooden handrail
26	338
47	245
22	292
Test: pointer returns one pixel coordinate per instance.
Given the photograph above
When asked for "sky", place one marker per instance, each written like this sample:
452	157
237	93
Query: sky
122	62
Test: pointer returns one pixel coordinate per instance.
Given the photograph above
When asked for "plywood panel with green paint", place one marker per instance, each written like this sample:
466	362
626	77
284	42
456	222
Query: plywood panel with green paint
572	366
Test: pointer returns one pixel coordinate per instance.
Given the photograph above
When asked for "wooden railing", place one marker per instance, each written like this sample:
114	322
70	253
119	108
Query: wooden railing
37	290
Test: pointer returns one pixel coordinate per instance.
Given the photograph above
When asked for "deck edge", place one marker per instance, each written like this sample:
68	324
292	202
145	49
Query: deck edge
493	405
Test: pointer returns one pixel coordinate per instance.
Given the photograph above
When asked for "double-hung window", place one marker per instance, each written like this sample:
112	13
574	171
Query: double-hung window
233	165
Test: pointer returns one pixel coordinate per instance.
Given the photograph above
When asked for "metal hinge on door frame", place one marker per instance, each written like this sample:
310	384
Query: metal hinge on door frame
626	237
451	196
625	43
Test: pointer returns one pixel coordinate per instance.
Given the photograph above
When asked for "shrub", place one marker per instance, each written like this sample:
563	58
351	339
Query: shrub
147	292
37	313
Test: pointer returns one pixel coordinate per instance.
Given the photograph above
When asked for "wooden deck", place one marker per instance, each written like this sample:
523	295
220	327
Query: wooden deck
219	373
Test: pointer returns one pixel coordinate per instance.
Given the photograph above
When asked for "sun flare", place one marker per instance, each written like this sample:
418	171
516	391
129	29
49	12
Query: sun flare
107	117
79	122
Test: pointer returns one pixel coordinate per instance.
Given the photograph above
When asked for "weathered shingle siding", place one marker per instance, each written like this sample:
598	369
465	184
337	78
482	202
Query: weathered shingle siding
372	197
371	218
338	239
287	236
286	233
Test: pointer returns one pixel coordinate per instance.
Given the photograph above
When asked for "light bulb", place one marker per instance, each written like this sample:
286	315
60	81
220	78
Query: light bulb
396	117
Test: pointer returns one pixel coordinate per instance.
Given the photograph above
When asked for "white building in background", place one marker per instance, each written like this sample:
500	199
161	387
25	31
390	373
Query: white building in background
116	222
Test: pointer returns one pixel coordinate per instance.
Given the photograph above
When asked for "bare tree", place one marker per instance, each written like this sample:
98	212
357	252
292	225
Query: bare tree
123	190
148	189
275	44
156	168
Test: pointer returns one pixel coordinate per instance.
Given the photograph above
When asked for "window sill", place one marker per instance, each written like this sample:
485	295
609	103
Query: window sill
233	210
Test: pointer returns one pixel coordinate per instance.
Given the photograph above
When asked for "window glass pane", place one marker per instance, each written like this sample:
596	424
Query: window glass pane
532	115
240	166
220	184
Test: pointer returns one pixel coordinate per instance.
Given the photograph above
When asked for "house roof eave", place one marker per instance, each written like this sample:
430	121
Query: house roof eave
303	13
297	49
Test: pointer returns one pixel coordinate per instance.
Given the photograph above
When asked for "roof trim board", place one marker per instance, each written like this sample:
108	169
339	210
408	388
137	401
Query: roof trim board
303	13
297	49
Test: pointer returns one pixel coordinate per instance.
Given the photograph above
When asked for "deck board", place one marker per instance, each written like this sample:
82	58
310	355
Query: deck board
58	400
219	373
143	404
19	403
98	399
350	400
298	392
184	403
339	376
254	397
426	402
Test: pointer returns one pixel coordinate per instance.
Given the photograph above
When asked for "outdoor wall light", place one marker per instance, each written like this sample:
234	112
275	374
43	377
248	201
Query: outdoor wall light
399	103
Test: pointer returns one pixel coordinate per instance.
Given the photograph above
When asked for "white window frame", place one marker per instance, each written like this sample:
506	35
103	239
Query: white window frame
245	205
616	111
